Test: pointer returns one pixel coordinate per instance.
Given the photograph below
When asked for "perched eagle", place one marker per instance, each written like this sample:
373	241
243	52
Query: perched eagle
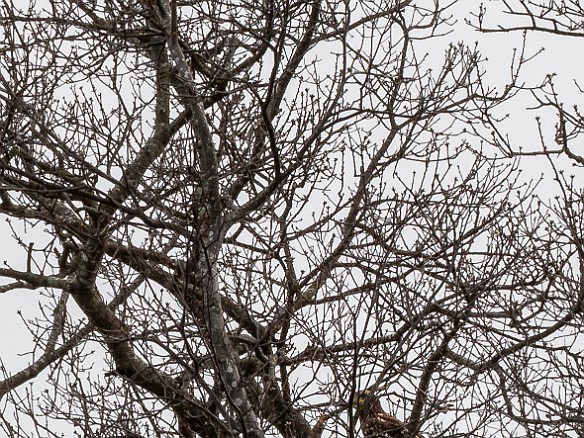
375	422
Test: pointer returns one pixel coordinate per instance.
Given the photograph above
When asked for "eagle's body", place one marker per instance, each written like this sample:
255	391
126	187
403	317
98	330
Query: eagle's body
375	422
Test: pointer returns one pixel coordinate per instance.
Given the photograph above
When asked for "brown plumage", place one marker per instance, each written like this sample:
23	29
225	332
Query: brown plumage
318	428
375	422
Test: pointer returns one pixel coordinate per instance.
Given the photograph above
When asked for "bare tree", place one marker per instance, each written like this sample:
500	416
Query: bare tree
237	214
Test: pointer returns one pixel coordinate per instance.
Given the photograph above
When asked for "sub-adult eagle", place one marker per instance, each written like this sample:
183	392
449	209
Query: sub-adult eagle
375	422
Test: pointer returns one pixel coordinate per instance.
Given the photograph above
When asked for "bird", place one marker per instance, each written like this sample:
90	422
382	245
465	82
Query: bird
375	422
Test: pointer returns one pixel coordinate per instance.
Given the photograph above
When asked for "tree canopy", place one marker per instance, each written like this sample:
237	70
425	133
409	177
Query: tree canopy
225	218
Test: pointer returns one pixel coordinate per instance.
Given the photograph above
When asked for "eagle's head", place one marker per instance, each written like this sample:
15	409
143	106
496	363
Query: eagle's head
366	403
